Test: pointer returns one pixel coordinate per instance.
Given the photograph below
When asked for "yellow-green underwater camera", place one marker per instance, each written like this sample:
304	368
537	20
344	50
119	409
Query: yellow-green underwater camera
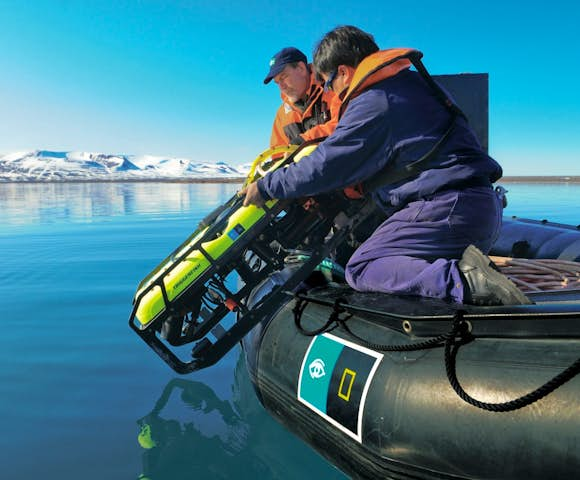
191	309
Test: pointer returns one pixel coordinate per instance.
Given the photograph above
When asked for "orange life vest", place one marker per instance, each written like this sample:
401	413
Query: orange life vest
317	120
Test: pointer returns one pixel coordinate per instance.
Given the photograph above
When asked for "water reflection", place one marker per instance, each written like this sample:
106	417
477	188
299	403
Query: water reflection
209	443
68	202
192	433
41	203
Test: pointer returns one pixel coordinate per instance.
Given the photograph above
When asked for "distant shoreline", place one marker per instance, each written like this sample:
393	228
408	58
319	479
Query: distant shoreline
133	180
540	179
507	179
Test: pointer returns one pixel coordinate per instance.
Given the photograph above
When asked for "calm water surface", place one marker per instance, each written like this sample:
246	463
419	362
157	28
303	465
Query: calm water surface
77	385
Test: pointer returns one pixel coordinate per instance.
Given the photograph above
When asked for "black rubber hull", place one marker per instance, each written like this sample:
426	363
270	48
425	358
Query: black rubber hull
412	424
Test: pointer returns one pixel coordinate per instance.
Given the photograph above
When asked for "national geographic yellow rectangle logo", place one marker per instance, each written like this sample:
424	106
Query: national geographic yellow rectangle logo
347	380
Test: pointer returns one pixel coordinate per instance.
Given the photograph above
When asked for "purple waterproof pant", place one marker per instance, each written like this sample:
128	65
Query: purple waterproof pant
416	250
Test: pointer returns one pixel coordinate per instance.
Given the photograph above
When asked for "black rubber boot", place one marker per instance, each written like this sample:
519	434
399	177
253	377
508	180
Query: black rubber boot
484	285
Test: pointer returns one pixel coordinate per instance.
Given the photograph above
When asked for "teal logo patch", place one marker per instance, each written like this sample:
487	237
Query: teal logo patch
334	381
272	61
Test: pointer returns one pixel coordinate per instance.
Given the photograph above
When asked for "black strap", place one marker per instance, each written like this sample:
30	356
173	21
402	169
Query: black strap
415	59
389	174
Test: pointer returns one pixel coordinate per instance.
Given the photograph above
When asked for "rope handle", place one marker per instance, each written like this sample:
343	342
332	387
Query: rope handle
451	349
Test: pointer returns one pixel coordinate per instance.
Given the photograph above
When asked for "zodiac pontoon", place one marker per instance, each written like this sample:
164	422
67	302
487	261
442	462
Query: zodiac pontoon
402	387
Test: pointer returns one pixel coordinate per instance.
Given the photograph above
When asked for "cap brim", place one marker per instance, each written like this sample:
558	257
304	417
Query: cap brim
275	70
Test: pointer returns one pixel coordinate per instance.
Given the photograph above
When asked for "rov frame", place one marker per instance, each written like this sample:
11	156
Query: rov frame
170	312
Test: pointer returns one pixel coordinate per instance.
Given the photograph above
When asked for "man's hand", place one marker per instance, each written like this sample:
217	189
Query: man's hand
252	195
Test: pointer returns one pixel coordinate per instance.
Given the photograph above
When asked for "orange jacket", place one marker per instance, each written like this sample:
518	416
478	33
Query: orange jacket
319	118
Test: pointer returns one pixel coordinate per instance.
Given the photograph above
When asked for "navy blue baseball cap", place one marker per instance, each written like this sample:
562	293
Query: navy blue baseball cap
283	58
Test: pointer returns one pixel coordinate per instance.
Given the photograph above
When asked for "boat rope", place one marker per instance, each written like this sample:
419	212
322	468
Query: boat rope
335	320
451	349
431	343
540	275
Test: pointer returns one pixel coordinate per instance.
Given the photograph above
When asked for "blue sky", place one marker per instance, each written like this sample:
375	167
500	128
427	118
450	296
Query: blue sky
184	78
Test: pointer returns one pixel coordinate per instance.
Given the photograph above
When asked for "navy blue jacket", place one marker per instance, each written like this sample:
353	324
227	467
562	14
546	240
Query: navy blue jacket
392	122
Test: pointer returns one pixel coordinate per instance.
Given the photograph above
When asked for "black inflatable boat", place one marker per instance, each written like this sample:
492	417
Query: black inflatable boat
406	387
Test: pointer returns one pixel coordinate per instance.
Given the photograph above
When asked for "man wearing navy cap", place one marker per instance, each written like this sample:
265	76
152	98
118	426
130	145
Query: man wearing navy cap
307	111
403	137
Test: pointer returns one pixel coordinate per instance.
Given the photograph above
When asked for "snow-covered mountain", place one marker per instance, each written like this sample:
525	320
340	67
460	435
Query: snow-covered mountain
43	165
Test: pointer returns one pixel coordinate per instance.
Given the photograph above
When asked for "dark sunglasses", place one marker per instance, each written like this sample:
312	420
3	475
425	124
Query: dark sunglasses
329	80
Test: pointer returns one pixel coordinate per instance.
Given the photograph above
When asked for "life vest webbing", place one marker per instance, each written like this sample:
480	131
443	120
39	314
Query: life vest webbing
388	175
